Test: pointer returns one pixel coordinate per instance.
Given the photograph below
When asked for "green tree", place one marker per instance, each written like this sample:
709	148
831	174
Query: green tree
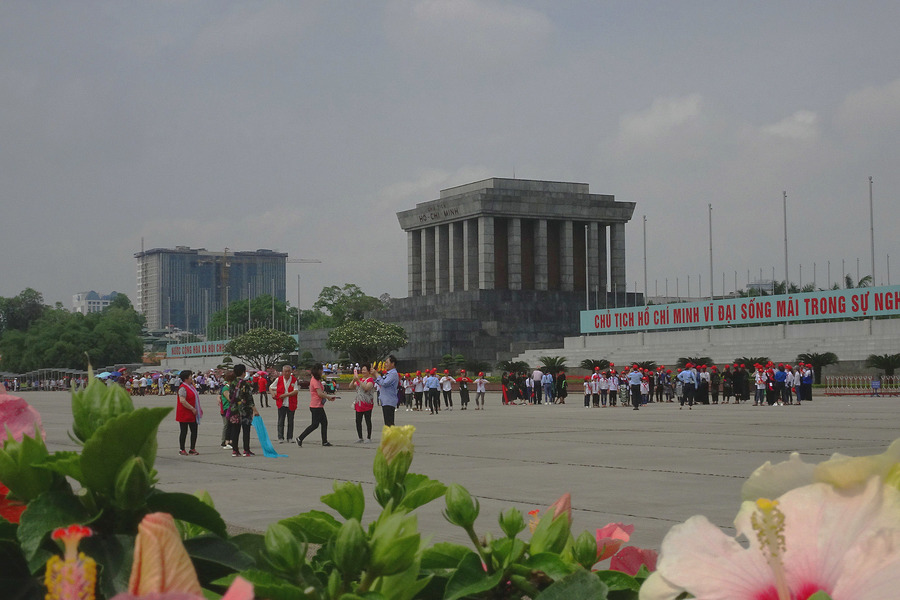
589	364
513	366
260	316
650	365
451	362
554	363
348	303
694	360
818	360
367	340
261	347
883	362
751	360
19	312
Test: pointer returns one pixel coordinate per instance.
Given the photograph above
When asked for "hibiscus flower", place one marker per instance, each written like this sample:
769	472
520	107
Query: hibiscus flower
846	543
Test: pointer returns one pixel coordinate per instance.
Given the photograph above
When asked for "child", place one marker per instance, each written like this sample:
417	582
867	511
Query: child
587	392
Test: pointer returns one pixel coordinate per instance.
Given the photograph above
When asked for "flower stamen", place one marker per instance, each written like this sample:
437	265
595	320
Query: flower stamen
768	523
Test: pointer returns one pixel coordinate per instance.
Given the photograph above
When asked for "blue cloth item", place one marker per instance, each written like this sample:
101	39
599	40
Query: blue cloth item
264	442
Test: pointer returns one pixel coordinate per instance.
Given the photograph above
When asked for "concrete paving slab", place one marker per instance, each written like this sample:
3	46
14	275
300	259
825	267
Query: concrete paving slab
654	467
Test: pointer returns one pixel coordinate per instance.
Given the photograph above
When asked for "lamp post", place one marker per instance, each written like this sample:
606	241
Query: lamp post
645	260
872	229
786	277
711	260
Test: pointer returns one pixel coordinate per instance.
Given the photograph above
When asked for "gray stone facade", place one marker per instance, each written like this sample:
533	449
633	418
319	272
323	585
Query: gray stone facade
501	265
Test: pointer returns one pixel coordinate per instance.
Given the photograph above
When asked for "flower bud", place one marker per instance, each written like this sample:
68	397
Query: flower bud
394	544
462	508
585	550
550	535
351	550
511	522
394	455
283	550
132	484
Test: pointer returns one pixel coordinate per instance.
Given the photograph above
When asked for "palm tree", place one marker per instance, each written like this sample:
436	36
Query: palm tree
554	363
694	360
883	362
650	365
752	360
818	360
589	364
513	366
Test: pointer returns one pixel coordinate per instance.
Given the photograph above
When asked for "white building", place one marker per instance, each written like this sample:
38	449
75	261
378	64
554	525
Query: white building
91	302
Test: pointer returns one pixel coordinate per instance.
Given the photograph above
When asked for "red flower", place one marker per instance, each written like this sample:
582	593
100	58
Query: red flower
11	510
630	558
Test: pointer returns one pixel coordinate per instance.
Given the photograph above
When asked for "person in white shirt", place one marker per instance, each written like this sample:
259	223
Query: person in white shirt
418	383
587	392
761	379
407	392
480	389
789	385
529	389
536	379
447	390
595	383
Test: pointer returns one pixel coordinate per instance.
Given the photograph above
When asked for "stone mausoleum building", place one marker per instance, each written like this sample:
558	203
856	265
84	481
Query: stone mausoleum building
499	266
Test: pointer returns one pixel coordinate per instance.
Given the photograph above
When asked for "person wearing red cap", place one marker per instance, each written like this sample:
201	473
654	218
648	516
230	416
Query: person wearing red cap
407	392
480	389
702	385
418	383
613	387
463	382
761	380
432	392
447	389
727	386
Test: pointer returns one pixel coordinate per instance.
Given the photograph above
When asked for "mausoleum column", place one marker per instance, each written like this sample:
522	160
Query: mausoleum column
602	259
457	254
470	254
593	256
428	261
414	260
541	279
566	257
514	254
617	257
442	259
486	253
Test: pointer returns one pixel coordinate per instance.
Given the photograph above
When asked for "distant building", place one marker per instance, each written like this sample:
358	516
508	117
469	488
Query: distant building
183	287
501	265
91	302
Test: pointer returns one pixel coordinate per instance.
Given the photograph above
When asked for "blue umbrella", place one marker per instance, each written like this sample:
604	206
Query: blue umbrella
103	375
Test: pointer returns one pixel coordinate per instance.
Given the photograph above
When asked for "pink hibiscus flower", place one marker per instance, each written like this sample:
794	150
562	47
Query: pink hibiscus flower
611	537
812	538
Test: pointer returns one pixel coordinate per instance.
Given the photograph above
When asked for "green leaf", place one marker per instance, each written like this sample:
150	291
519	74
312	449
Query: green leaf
116	441
820	595
67	464
444	556
420	490
187	507
580	585
402	586
17	467
471	579
114	555
550	564
507	551
44	514
265	585
617	580
314	526
348	500
251	544
214	557
16	580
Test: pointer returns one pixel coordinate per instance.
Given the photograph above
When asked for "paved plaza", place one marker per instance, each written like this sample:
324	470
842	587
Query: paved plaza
653	468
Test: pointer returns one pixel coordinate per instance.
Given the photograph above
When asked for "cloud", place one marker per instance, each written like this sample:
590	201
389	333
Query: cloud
665	116
251	28
479	34
802	125
871	111
404	195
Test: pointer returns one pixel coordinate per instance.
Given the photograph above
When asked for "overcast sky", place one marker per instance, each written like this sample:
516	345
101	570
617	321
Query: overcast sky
305	126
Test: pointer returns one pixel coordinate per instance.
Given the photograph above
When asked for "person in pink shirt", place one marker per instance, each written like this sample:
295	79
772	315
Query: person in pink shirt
317	397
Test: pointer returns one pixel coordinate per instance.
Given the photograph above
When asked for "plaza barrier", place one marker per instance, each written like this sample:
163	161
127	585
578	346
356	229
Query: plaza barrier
862	385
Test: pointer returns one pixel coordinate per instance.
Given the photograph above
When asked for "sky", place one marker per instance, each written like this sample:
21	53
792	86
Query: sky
304	127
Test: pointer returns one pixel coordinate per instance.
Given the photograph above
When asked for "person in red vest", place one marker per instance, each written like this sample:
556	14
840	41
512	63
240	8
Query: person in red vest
187	411
285	390
262	383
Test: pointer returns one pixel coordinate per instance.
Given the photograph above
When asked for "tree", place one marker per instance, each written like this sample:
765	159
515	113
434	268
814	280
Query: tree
451	362
260	316
590	364
261	347
19	312
650	365
367	340
346	304
513	366
694	360
752	360
883	362
554	363
818	360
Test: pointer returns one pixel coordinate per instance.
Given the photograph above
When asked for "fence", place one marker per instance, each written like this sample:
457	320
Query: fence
862	385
